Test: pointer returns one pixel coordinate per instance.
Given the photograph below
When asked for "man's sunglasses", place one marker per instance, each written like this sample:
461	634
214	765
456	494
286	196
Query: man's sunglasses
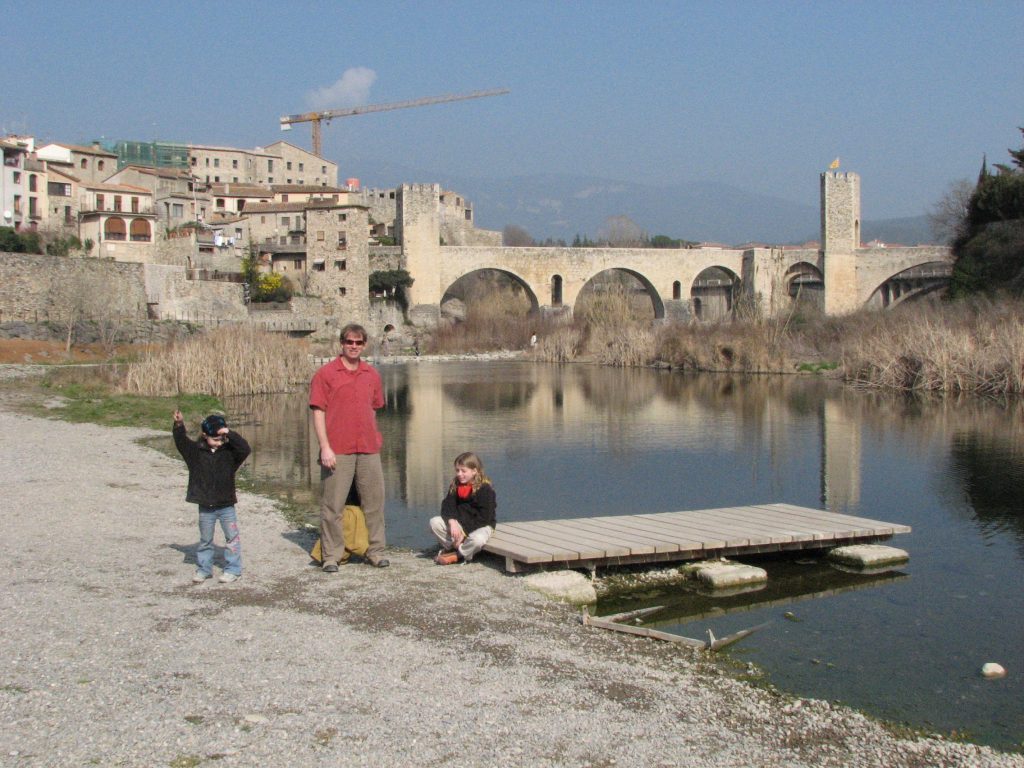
354	342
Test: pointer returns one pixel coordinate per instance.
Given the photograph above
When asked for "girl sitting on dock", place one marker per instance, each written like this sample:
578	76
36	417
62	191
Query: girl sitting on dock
467	516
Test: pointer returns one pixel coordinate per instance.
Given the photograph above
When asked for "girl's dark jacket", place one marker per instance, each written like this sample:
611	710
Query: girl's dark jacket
472	513
211	474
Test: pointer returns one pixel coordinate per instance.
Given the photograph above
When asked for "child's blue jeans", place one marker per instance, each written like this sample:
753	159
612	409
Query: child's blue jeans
228	519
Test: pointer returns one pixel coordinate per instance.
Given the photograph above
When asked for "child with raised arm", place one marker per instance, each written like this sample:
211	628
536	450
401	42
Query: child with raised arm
212	462
467	516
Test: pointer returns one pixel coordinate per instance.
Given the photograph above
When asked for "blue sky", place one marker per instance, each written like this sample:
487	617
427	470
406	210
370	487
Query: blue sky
758	95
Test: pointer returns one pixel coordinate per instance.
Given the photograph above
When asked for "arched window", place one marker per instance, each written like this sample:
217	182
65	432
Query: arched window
114	229
140	231
677	290
556	291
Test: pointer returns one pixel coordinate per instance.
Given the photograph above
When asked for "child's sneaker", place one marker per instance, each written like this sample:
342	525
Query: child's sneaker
447	558
227	578
199	577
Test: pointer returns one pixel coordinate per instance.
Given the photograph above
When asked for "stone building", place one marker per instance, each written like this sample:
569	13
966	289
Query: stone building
278	163
177	197
13	182
119	219
91	164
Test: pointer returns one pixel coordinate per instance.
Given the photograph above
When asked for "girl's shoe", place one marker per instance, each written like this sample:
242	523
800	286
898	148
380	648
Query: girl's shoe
227	578
447	558
199	577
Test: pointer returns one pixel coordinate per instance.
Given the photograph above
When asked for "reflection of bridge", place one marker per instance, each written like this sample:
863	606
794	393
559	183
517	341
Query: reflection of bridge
682	283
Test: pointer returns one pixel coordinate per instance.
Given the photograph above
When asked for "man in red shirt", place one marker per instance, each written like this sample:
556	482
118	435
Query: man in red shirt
343	397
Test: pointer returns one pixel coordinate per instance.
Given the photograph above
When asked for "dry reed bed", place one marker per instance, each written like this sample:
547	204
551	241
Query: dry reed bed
231	360
975	348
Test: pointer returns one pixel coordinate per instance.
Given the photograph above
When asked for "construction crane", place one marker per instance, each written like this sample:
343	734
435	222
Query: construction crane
315	118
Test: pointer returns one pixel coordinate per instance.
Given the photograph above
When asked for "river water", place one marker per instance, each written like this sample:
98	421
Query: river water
571	441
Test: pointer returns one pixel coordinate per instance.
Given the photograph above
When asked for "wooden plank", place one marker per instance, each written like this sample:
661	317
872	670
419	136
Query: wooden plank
702	521
581	530
674	534
563	533
627	533
883	527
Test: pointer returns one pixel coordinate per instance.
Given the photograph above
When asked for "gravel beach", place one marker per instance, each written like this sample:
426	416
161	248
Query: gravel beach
111	656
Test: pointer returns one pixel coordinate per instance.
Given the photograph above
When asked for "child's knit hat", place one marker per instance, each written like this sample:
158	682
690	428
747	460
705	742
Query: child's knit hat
213	424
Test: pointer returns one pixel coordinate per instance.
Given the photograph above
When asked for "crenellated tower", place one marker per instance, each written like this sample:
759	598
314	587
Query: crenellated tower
840	240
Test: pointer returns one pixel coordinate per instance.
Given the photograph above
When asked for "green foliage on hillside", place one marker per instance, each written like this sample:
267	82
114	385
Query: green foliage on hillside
990	250
19	242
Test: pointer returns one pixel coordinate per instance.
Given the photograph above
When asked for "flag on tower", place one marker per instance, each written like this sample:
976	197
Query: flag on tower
834	164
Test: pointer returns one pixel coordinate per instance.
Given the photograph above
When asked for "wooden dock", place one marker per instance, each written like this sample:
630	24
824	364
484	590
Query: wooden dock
591	542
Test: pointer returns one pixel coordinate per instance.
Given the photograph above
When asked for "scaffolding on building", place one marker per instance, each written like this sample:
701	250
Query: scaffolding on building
149	154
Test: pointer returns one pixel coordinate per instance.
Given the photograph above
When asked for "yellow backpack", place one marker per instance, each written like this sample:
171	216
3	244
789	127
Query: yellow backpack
353	527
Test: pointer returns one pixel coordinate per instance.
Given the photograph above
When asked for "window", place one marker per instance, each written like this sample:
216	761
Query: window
135	205
99	165
323	169
287	181
301	182
469	214
216	162
319	235
58	189
207	162
342	216
33	209
67	215
286	221
238	233
234	179
17	204
343	290
83	163
234	164
16	178
99	202
114	229
298	263
117	202
339	264
283	239
219	204
270	166
318	265
288	166
178	210
342	241
270	180
195	160
284	198
302	167
263	219
140	231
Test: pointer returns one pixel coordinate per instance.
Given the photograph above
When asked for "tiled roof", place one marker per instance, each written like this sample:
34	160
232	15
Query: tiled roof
86	150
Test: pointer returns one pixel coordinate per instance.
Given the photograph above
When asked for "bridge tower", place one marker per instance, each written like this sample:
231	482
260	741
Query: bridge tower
418	230
840	239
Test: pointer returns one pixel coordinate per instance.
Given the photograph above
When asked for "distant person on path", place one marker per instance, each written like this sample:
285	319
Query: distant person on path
212	462
344	396
467	516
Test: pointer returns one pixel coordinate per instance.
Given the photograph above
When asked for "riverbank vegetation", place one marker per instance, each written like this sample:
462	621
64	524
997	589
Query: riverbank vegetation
230	360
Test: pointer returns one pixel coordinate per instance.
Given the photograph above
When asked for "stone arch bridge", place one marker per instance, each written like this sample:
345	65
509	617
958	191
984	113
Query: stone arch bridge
702	283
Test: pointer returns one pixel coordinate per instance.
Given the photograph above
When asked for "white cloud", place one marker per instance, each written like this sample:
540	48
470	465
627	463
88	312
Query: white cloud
352	89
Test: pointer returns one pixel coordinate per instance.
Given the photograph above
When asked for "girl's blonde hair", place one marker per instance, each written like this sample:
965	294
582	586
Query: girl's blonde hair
471	460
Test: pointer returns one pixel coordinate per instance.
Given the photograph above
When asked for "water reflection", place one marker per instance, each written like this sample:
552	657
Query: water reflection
569	441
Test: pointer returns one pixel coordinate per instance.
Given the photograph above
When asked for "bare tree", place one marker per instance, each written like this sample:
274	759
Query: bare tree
514	235
948	217
621	231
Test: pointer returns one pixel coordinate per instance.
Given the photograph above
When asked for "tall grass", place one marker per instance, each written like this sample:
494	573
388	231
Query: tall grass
972	347
231	360
499	321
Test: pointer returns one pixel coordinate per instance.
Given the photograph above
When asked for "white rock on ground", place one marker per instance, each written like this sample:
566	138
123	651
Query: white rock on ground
110	656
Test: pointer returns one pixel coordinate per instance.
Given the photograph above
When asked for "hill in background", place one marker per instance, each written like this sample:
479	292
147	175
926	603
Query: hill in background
561	207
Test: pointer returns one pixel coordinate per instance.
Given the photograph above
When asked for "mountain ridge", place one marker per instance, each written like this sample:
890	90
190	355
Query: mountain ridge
560	207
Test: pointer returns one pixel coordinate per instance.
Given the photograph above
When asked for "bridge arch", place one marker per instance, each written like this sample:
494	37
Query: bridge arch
713	293
805	283
910	284
595	282
463	286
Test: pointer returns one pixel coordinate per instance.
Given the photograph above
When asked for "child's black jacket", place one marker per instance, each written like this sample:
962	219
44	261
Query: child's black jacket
211	474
